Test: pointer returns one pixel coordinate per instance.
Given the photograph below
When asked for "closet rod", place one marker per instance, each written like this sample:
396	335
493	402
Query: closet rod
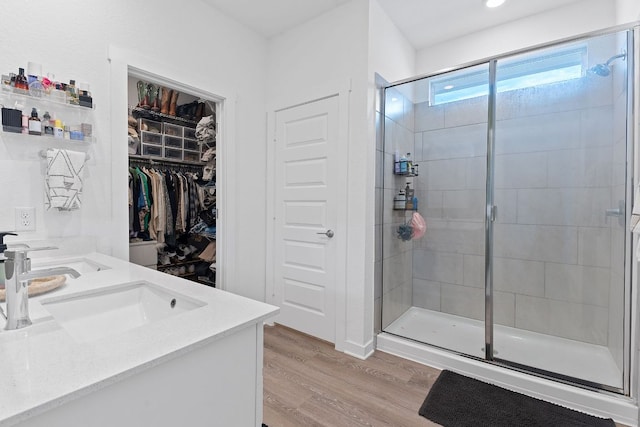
148	160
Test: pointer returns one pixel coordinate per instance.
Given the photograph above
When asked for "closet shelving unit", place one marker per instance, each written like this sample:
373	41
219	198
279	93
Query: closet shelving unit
171	135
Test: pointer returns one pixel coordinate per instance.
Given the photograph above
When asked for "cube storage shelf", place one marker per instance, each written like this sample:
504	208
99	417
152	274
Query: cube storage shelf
168	141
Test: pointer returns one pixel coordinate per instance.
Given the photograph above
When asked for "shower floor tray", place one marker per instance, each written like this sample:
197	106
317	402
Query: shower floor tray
589	362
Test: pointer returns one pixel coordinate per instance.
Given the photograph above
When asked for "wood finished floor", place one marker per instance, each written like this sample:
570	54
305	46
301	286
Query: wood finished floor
308	383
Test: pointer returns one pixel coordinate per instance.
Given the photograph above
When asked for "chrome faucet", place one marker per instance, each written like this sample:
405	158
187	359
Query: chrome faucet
18	274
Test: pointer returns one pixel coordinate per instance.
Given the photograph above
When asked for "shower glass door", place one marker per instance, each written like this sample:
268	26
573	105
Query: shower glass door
559	233
433	287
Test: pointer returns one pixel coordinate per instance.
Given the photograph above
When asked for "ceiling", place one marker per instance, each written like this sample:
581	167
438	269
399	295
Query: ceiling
423	22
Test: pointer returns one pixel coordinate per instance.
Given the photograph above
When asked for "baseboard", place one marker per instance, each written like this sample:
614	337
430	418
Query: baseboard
358	350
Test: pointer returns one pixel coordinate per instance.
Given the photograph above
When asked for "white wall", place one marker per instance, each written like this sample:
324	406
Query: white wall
390	53
571	20
627	11
191	40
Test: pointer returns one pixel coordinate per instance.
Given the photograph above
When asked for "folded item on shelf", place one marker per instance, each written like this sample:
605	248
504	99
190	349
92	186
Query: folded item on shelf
205	129
209	254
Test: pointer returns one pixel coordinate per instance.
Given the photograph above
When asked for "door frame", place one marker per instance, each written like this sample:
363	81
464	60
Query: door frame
124	62
296	98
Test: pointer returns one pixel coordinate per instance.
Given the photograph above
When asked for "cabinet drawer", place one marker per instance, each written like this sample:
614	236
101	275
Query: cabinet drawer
171	153
149	126
172	130
191	144
190	133
172	141
152	150
150	138
191	156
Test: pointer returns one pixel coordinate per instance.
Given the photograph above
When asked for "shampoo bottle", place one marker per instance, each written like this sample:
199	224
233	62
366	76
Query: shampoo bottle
409	192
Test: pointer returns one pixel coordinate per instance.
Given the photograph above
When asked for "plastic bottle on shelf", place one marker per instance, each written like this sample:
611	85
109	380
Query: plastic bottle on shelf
403	165
58	131
47	128
409	192
400	201
25	124
409	164
72	93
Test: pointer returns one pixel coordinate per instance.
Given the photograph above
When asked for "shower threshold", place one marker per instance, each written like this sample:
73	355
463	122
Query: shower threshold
570	358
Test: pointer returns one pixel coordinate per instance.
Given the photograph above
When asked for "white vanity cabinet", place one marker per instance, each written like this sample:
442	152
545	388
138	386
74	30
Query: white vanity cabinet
200	366
214	384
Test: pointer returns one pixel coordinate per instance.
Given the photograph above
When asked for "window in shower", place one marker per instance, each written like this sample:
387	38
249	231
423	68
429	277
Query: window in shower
528	71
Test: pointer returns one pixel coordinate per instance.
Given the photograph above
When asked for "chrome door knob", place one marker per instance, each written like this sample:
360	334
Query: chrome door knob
328	233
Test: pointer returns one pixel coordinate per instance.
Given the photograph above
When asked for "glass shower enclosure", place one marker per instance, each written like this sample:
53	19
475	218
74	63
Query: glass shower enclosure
524	181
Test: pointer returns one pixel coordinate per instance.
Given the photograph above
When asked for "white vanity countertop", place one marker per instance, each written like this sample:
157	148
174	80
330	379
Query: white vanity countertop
42	366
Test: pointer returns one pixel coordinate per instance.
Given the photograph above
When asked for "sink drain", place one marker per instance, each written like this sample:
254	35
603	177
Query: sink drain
173	303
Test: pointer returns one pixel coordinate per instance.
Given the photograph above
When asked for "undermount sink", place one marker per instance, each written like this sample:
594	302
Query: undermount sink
91	315
81	265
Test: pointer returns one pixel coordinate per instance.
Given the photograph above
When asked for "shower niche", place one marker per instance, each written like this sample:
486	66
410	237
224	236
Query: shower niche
525	189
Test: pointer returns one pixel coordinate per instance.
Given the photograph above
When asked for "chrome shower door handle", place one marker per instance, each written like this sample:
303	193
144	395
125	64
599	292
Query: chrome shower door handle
328	233
620	212
613	212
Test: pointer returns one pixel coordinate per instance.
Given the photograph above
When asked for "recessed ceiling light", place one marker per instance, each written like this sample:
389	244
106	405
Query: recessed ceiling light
447	87
493	3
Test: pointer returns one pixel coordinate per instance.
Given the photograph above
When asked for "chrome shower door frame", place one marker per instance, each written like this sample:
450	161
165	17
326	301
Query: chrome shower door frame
630	293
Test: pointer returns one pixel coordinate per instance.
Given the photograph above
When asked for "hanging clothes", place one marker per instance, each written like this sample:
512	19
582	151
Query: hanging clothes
163	204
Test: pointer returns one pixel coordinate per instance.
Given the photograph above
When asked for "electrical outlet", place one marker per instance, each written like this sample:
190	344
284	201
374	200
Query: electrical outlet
25	219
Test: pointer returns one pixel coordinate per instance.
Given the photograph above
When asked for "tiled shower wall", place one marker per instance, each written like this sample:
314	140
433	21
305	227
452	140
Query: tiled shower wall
553	182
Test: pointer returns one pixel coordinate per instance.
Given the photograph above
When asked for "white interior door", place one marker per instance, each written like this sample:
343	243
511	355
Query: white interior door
305	216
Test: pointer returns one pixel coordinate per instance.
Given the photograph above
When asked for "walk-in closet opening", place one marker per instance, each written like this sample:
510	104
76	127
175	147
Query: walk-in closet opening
173	206
523	178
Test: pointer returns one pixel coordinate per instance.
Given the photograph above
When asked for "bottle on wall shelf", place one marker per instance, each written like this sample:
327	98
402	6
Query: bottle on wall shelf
403	165
21	80
409	193
409	164
35	125
47	128
72	94
400	201
25	124
58	131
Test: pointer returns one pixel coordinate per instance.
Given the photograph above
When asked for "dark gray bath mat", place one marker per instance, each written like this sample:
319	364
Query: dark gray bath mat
459	401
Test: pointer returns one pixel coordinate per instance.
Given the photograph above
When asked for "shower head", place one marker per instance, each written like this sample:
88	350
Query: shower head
604	69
